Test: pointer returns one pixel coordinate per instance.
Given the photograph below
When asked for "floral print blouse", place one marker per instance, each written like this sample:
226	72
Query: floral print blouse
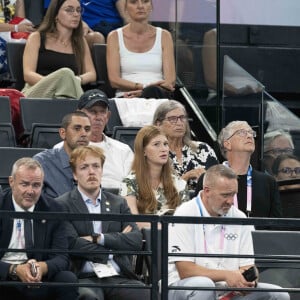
204	156
129	187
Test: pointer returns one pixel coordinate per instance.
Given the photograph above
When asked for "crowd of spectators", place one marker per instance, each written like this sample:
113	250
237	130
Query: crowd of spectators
158	177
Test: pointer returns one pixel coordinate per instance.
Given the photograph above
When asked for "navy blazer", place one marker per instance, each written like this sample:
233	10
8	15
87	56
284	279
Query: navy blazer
48	234
112	230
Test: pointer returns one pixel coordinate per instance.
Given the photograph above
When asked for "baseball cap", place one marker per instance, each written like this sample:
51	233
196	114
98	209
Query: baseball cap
91	97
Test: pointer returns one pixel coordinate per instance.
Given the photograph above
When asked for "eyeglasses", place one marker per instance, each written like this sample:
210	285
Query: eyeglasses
290	171
70	10
243	133
279	151
174	119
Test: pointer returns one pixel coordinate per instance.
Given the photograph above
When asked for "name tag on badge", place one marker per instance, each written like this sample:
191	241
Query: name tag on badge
104	270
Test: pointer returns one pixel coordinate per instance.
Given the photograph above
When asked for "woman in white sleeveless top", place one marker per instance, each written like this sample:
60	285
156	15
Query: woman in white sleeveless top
140	57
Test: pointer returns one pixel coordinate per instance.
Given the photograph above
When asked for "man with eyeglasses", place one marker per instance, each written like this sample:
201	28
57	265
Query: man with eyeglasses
258	194
276	142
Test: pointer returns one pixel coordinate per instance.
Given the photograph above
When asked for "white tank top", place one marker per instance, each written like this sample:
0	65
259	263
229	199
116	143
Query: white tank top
143	67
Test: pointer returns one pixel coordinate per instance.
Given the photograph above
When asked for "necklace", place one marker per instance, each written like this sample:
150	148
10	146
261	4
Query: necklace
65	44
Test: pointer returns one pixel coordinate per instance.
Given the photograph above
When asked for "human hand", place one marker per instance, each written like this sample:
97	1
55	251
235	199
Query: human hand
167	86
193	174
88	238
127	229
24	272
236	279
26	27
133	94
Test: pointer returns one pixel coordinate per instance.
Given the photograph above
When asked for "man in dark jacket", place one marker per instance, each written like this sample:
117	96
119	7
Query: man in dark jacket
92	237
26	182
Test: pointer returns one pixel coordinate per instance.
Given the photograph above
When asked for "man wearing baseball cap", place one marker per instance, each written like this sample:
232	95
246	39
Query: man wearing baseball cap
118	155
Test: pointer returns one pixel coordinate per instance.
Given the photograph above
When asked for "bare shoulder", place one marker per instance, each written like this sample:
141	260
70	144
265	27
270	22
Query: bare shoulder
166	33
112	37
166	38
34	37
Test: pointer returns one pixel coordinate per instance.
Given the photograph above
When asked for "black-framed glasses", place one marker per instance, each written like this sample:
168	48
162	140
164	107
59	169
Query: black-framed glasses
243	133
70	10
174	119
288	170
279	151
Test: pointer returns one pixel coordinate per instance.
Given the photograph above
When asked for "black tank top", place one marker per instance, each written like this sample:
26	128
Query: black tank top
50	61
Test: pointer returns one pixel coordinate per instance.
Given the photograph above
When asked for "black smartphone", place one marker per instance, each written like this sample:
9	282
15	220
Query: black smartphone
250	274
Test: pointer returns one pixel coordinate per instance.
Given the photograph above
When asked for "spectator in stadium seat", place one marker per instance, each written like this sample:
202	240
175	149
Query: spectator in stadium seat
75	131
215	200
286	167
24	195
118	155
140	57
57	60
11	28
258	194
91	36
276	142
93	237
189	158
151	187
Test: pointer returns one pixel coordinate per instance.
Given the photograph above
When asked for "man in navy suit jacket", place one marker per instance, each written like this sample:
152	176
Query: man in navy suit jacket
91	237
26	182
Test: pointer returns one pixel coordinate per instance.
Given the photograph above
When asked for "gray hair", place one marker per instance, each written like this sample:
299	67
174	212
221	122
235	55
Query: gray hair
269	137
217	171
227	132
161	112
28	162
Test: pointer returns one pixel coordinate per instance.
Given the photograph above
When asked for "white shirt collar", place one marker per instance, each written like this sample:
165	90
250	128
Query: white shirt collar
19	208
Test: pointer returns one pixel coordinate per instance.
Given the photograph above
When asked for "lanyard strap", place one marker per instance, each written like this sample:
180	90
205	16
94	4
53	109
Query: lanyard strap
249	190
222	236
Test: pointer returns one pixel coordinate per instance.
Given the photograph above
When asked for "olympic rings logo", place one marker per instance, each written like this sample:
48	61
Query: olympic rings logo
230	236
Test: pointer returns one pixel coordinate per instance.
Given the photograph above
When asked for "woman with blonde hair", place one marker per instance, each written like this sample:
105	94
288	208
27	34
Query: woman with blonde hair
151	187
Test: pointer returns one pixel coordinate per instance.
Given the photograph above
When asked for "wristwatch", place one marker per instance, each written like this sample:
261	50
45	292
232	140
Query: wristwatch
95	237
13	273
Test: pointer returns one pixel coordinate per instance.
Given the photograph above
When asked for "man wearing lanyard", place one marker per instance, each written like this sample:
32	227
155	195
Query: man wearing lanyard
258	194
91	236
26	183
215	200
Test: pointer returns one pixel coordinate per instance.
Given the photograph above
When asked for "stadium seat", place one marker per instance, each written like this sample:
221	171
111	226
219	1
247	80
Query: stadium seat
38	114
144	262
278	271
15	63
45	135
44	111
125	135
8	156
7	135
99	59
114	119
5	112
